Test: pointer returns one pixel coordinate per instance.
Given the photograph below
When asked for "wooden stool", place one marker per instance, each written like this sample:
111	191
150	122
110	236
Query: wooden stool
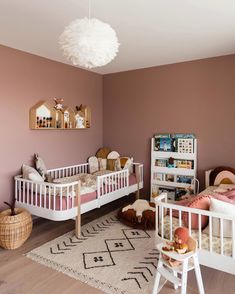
178	274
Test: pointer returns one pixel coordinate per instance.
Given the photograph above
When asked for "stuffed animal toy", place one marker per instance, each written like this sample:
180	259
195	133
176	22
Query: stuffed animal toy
181	236
139	206
58	103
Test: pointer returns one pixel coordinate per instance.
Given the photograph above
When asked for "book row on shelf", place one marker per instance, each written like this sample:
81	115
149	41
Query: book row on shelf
182	143
172	178
174	163
173	193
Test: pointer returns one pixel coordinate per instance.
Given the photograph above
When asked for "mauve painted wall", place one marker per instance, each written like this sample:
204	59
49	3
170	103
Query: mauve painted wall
191	97
24	80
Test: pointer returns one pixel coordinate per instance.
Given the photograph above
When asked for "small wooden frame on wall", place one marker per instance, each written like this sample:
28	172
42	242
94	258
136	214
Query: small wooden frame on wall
44	116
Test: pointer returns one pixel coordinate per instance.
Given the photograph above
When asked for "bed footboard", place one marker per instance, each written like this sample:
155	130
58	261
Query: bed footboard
216	252
52	201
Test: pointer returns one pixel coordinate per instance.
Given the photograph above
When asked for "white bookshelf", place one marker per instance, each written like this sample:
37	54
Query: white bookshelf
173	171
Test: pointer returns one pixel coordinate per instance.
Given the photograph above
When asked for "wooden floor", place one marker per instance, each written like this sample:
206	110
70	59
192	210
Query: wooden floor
20	275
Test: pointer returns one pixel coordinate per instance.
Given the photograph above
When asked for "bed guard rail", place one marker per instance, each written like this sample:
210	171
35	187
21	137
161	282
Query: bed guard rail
163	208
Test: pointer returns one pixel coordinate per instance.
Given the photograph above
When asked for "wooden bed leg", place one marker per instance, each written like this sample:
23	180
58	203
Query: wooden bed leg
137	173
78	217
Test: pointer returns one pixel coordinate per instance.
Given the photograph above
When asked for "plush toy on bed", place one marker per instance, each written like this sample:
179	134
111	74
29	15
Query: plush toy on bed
139	206
181	237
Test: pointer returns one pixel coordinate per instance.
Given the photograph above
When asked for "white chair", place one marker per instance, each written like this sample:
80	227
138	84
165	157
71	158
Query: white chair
178	274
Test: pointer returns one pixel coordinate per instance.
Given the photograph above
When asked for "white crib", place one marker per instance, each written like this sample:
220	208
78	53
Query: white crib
208	256
60	202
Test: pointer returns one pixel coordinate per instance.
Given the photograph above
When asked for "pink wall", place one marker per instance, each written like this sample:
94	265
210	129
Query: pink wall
192	97
24	80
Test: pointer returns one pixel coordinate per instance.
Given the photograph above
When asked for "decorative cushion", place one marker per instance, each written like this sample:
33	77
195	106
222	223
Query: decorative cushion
129	218
112	164
200	202
93	164
102	153
223	208
40	166
113	155
30	173
102	163
224	177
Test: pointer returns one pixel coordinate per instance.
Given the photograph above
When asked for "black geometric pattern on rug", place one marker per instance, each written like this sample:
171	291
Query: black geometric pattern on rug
100	258
94	230
147	267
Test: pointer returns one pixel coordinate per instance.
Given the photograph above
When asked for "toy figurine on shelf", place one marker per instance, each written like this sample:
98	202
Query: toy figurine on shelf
179	245
171	163
58	103
80	117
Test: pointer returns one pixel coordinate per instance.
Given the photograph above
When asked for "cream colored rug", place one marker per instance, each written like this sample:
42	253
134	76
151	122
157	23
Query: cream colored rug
109	256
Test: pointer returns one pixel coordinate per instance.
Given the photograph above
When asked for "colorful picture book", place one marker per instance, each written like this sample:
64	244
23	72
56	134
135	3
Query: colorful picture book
182	143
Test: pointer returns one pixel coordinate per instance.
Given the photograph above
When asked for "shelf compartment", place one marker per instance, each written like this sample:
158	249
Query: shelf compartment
175	155
174	171
171	184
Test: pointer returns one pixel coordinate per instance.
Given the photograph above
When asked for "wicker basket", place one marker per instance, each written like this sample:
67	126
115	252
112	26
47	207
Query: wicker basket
14	230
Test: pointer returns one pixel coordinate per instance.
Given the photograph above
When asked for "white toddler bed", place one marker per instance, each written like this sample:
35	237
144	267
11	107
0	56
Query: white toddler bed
214	251
71	197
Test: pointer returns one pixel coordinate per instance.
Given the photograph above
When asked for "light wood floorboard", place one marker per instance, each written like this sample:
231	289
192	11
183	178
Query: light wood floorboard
20	275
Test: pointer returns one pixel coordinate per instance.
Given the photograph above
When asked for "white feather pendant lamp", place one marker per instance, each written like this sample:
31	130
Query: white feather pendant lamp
89	43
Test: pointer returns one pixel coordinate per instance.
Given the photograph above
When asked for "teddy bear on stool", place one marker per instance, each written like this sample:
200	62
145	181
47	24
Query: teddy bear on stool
181	236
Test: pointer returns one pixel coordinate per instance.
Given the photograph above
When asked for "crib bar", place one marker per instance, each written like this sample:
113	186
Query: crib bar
221	236
233	239
31	195
190	223
27	192
61	198
162	222
171	224
210	233
23	192
200	231
180	219
54	195
67	197
40	196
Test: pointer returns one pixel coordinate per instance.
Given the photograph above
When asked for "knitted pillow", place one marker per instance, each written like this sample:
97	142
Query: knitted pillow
200	202
112	164
102	153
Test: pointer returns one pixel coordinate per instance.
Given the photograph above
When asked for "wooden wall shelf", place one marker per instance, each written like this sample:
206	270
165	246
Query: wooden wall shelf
43	116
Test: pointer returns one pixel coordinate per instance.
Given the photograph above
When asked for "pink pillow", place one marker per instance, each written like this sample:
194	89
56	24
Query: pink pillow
199	202
224	198
230	194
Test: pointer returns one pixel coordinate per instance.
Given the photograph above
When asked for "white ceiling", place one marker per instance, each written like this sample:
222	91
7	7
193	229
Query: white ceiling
151	32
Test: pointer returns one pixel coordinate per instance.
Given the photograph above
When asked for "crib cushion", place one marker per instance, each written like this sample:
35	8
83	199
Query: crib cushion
112	164
102	163
30	173
223	208
103	153
93	164
200	202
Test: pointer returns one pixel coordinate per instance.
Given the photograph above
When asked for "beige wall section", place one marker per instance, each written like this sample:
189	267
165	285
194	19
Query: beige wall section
191	97
24	80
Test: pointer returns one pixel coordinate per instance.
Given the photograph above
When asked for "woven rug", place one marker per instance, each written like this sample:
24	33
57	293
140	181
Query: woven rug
109	256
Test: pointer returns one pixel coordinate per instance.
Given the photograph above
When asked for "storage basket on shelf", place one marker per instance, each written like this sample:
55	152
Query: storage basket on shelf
14	229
